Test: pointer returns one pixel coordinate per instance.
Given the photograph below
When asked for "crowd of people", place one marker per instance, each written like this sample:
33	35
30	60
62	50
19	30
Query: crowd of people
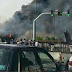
29	43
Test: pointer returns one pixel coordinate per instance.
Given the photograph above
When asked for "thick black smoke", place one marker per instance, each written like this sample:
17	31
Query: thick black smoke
23	20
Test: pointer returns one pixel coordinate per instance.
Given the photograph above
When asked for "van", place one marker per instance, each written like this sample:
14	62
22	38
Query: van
20	58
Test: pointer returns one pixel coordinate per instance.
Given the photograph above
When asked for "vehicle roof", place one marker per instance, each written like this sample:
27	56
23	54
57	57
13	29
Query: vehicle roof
16	46
13	45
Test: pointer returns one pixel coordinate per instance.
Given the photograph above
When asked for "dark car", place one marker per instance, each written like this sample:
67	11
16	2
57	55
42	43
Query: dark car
16	58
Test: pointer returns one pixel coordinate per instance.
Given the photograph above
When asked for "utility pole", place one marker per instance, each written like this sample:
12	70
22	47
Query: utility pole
34	25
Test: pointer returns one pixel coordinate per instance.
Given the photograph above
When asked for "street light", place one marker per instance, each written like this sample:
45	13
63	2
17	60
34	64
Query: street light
34	24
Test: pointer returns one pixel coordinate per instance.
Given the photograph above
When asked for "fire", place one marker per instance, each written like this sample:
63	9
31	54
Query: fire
10	35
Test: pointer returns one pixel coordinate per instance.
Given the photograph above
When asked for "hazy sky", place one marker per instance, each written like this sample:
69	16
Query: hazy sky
9	7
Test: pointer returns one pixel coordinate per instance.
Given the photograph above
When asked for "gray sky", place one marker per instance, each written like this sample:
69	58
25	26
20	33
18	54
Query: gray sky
9	7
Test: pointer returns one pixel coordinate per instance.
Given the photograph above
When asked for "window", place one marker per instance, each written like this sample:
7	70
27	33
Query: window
28	62
4	58
36	62
47	63
14	62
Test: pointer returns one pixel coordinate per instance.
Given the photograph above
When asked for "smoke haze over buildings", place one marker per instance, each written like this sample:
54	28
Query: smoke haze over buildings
23	20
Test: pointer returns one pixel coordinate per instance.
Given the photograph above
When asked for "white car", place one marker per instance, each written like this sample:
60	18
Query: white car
70	64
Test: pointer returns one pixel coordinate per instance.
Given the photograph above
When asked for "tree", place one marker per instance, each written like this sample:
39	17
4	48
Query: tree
47	38
50	38
53	38
39	38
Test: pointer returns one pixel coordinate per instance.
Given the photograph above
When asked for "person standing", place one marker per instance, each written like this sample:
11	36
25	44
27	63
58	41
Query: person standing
21	41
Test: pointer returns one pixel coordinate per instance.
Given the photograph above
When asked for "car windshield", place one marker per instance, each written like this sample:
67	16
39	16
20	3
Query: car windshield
4	58
37	62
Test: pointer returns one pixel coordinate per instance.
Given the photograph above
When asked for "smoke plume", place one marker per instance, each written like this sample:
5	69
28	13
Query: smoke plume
22	20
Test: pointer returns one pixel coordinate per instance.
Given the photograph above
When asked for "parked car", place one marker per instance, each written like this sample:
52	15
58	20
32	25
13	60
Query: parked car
61	54
16	58
70	64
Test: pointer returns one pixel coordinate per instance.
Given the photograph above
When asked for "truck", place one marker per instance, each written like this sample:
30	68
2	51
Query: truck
61	52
